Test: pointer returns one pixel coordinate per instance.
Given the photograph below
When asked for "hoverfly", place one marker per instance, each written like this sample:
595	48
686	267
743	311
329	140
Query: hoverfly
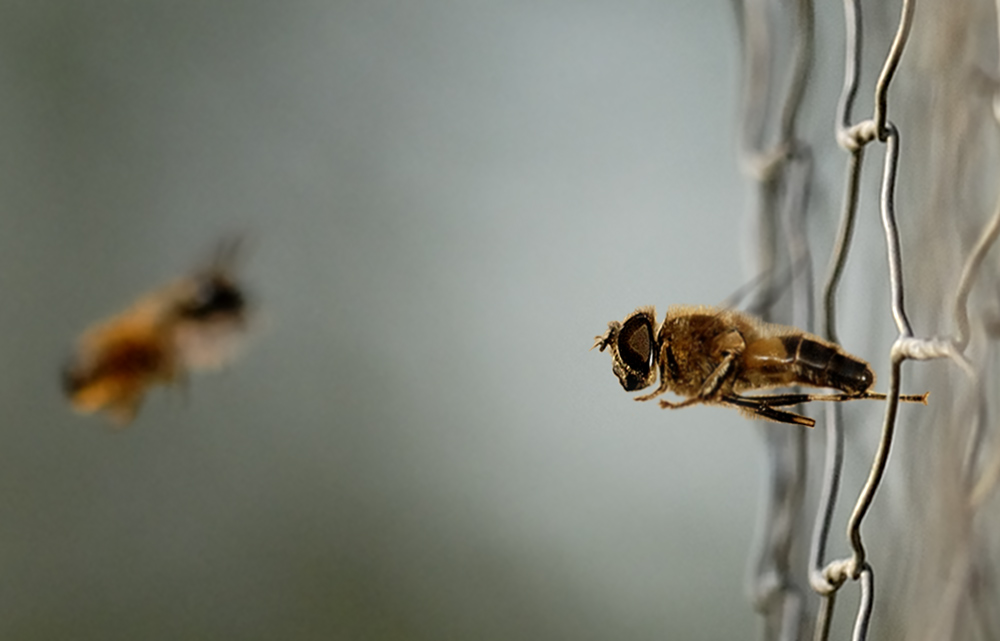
194	323
713	356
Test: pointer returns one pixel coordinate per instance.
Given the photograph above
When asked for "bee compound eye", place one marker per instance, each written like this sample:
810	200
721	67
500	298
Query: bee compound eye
72	378
215	296
635	345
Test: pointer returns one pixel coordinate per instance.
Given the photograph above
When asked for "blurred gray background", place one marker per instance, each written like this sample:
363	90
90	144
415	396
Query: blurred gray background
445	202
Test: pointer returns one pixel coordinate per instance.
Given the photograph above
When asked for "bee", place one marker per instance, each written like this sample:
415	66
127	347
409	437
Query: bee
194	323
714	356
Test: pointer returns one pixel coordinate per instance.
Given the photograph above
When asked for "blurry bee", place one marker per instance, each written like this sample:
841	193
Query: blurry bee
713	356
194	323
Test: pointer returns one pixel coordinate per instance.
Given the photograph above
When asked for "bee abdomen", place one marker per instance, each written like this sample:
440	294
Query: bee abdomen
823	365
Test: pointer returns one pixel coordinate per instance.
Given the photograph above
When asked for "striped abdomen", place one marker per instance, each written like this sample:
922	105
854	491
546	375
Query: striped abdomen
805	360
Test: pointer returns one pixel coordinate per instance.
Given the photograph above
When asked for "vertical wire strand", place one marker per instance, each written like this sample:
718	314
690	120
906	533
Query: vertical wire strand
802	59
902	323
969	272
833	463
866	604
783	172
875	474
889	68
820	580
891	229
824	617
853	138
756	39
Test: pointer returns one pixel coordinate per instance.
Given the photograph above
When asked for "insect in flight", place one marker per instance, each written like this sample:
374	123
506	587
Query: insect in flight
194	323
713	356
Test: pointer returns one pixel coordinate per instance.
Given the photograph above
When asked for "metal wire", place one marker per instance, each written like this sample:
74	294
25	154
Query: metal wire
867	576
882	126
989	478
853	138
833	463
783	172
969	273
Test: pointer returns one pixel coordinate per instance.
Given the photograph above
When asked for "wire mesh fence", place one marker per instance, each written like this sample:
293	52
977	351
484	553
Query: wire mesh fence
934	544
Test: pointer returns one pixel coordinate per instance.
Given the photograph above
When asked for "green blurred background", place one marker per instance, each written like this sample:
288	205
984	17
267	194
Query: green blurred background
445	202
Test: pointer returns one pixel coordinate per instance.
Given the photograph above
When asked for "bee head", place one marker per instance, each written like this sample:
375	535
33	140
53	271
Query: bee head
212	316
213	295
633	347
73	378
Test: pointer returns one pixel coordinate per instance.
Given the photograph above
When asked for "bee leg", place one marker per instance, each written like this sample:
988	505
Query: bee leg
667	405
729	346
782	400
754	405
873	396
710	388
659	390
779	416
124	411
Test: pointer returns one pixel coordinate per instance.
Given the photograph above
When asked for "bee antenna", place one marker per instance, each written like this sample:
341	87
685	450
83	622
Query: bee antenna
227	252
603	341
